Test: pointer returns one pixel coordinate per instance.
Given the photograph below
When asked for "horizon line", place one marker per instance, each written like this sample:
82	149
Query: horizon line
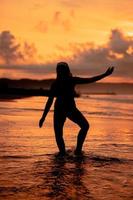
47	79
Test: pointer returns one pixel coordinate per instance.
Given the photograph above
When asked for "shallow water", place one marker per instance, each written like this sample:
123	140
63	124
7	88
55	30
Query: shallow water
29	165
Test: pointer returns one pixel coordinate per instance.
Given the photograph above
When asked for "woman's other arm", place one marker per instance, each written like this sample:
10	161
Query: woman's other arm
48	103
46	110
79	80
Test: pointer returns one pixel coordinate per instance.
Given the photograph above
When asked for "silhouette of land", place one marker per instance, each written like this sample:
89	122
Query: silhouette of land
23	88
10	88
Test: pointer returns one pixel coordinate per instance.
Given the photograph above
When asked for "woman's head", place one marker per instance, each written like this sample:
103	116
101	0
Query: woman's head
63	70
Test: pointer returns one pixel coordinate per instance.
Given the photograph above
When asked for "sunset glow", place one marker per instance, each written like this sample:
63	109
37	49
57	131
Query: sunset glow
79	32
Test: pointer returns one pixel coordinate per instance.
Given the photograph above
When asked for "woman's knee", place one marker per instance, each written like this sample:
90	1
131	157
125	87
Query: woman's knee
85	126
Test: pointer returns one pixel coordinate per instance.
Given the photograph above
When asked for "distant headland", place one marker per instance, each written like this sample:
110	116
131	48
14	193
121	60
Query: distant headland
10	88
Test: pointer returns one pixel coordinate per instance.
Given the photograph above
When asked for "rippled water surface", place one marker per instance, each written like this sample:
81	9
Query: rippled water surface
31	170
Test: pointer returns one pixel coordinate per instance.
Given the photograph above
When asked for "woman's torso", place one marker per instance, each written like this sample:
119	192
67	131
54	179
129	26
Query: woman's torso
64	92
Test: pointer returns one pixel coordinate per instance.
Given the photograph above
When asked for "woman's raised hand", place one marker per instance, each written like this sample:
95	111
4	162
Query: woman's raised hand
41	122
109	71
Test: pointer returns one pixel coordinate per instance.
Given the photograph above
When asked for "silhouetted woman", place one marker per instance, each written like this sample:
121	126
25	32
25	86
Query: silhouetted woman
63	90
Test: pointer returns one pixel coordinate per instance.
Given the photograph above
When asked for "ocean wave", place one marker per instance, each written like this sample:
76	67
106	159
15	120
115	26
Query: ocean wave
15	157
112	114
118	98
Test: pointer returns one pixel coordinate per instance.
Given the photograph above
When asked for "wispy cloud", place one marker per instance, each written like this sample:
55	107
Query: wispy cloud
9	49
63	21
59	20
12	52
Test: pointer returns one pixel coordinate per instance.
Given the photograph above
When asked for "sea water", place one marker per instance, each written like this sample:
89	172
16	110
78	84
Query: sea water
31	170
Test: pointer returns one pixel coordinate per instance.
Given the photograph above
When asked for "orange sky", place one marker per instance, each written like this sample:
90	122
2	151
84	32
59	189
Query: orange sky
54	28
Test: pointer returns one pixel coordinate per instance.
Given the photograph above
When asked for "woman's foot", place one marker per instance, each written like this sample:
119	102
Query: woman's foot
78	152
61	153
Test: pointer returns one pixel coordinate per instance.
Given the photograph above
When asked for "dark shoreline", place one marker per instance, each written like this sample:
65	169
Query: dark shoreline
15	93
22	88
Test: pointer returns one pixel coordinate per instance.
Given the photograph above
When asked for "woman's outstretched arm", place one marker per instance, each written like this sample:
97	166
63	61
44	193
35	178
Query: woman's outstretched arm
46	110
79	80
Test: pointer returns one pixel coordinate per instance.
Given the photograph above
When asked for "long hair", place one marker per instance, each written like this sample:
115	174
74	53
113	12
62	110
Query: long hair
63	70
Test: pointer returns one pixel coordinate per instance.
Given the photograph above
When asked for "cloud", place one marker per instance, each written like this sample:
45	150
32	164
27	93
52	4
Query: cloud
33	71
63	21
118	51
9	49
29	51
84	58
118	42
12	52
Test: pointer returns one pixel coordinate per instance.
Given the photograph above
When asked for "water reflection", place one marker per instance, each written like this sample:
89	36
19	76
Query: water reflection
64	178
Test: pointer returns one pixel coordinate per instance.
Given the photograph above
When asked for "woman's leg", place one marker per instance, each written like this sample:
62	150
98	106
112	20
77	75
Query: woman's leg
76	116
59	119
